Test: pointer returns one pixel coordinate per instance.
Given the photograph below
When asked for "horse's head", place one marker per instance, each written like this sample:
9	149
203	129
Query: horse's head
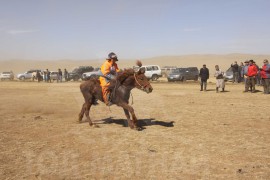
141	81
132	78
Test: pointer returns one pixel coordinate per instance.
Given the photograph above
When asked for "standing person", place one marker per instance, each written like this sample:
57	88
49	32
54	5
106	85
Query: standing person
220	79
252	72
235	69
59	75
45	76
39	77
265	74
204	75
244	72
48	75
65	74
258	76
241	76
109	70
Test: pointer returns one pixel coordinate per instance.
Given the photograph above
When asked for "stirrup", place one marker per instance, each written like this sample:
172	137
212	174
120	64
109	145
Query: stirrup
109	103
95	102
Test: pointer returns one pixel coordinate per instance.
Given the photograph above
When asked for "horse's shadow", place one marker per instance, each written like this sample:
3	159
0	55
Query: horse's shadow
142	123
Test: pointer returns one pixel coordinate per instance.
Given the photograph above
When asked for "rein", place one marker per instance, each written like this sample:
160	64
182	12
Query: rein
142	87
115	87
118	84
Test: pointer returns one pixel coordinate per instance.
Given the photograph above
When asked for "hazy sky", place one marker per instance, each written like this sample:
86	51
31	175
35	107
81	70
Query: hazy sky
90	29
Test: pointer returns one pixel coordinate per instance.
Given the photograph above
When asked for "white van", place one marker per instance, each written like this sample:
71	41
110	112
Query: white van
27	74
151	71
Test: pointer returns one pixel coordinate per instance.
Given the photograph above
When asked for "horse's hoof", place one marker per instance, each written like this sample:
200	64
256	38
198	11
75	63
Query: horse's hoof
80	119
96	126
139	128
90	124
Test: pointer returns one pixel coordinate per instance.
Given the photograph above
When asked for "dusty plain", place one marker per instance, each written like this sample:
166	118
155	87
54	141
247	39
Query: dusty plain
187	134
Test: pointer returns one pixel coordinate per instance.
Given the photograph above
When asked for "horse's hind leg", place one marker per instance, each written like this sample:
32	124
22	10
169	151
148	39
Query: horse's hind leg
82	112
87	105
87	111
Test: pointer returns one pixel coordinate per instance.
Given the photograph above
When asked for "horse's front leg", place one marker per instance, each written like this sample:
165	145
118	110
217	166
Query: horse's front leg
130	123
130	109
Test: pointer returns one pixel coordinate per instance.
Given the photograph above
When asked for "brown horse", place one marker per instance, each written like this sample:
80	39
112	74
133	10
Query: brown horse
120	92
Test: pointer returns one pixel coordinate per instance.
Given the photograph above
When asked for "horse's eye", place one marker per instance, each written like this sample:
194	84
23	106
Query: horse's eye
141	78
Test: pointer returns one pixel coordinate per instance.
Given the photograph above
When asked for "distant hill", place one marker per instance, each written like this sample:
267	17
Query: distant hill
210	60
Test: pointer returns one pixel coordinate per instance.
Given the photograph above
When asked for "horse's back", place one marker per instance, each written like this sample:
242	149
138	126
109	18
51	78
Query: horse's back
92	83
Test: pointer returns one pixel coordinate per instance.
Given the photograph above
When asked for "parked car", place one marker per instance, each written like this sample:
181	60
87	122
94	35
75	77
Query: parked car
228	75
77	72
89	75
27	74
6	76
166	70
54	75
96	69
152	72
183	74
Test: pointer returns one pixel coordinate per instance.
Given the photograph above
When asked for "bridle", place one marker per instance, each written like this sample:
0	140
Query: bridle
142	87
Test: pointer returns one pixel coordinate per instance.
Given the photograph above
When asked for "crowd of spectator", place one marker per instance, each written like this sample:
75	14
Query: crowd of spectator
46	76
248	72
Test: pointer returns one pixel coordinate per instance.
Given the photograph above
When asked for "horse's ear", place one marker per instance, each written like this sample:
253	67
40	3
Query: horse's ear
122	76
141	70
139	63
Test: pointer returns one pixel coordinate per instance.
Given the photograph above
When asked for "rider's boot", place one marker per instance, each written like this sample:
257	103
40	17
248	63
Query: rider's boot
108	99
95	101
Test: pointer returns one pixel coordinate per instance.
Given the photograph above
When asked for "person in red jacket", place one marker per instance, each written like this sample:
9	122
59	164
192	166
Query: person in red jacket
265	74
251	76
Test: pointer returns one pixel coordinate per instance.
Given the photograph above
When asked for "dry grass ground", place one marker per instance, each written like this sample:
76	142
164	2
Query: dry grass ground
214	135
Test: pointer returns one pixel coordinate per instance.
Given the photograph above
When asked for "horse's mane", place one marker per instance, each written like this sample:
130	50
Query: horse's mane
121	77
124	74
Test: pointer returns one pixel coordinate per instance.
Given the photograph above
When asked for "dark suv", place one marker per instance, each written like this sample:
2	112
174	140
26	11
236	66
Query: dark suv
77	72
183	74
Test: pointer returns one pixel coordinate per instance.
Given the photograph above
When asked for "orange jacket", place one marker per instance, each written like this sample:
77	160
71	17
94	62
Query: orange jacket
106	69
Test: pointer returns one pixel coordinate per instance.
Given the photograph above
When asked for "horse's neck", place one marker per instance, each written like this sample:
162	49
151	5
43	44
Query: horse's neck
127	88
129	83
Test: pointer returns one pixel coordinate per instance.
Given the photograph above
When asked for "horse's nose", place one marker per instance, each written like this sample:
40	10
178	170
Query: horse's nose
150	89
